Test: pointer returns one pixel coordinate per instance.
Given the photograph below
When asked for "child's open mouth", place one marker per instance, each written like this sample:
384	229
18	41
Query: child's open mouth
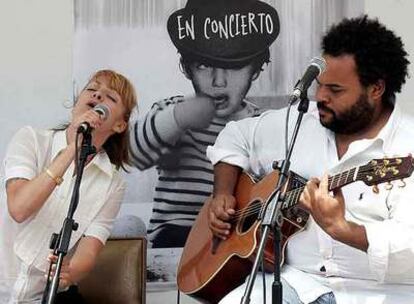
221	102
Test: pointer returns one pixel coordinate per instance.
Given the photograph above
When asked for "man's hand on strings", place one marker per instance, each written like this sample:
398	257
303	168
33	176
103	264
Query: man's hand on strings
221	210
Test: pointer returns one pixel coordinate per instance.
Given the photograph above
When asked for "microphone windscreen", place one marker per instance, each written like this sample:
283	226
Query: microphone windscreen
102	110
320	63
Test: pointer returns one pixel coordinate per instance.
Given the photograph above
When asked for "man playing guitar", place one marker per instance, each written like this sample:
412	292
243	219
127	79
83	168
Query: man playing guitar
358	246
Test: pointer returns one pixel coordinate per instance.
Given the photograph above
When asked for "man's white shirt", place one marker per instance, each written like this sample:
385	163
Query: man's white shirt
316	263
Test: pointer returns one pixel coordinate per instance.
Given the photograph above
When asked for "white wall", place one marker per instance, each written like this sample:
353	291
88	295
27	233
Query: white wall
397	15
35	64
36	59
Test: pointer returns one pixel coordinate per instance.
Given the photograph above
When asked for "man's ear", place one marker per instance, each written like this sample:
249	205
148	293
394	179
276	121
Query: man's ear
376	90
183	69
120	126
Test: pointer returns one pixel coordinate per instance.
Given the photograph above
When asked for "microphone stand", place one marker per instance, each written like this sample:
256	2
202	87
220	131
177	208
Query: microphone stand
60	242
273	218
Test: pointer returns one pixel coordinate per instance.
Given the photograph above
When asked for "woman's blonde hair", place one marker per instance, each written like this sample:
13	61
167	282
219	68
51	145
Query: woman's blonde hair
116	146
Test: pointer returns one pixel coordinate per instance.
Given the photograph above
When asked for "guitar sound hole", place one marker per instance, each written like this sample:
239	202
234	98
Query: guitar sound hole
249	216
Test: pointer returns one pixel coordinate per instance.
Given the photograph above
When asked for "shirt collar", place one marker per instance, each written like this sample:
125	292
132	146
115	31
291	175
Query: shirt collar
387	132
100	160
385	135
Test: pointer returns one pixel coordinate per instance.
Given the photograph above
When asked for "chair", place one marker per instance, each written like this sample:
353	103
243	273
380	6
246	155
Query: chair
119	275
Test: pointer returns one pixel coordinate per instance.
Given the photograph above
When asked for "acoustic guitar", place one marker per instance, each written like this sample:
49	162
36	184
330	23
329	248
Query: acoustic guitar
210	268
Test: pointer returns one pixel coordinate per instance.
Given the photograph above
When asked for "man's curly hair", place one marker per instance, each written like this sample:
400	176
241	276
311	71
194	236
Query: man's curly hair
377	51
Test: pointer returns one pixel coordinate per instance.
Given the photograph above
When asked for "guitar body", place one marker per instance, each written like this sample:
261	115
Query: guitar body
210	268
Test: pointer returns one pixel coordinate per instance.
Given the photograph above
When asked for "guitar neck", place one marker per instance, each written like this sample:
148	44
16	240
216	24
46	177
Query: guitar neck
334	182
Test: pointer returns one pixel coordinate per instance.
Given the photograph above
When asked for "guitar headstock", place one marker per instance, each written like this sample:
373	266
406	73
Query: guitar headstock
382	170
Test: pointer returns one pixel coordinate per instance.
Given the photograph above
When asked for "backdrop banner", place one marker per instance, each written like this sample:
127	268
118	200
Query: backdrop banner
144	40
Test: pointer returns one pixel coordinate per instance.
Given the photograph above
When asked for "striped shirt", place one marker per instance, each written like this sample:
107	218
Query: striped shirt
185	175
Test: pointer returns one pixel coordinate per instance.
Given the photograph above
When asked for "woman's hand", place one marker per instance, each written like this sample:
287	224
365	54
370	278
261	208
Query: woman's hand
65	277
75	268
91	117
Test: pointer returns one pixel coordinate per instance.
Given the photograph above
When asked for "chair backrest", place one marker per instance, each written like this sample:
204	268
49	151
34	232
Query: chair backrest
119	275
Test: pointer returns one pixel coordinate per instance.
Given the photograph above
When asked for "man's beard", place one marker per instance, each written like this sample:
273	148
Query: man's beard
353	120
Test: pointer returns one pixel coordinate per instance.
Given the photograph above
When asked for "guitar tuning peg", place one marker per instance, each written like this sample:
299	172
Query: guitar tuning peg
375	189
388	186
402	184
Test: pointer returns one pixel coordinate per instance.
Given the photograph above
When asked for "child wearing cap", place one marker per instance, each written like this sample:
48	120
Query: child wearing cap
221	57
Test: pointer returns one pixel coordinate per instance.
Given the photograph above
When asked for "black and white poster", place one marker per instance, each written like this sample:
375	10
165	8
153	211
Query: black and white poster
145	40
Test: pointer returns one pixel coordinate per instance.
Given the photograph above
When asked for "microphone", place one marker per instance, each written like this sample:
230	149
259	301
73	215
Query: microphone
315	68
103	112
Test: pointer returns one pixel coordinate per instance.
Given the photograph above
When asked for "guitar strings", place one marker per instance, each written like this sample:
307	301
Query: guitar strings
256	208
